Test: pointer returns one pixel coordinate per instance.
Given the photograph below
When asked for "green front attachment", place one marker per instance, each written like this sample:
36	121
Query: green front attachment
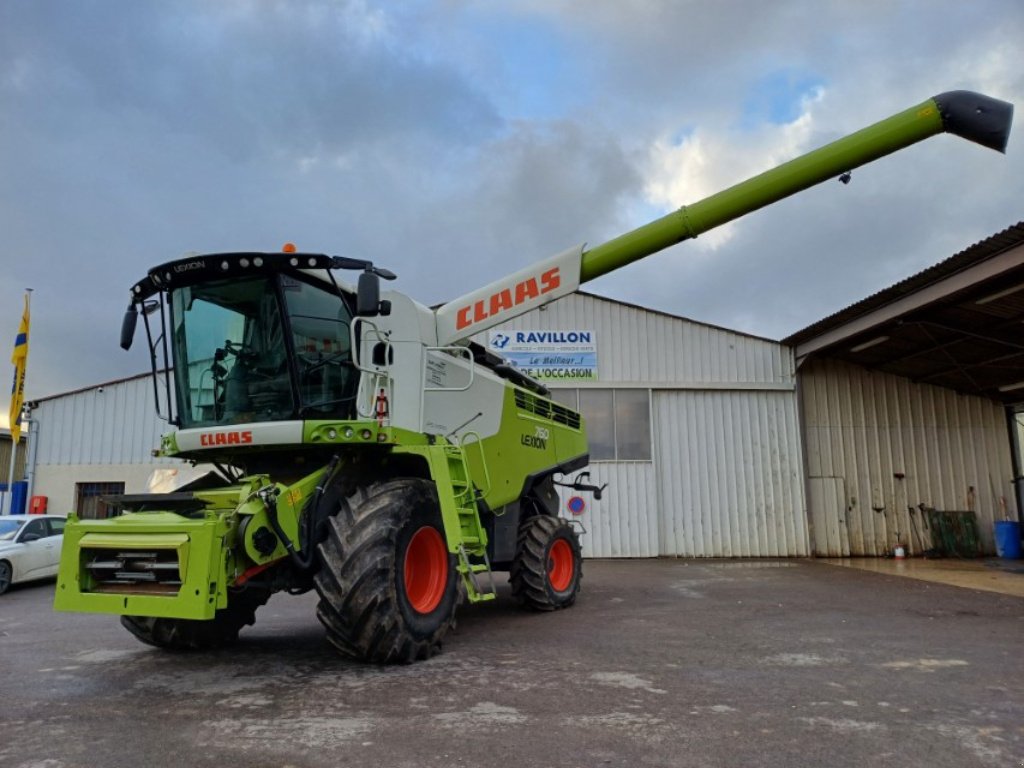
972	116
175	565
185	557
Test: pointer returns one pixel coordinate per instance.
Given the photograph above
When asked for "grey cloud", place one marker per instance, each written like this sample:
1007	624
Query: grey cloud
274	79
131	132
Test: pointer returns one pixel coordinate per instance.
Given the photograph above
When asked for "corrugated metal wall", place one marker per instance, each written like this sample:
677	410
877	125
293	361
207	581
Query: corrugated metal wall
116	426
5	456
1018	430
730	474
625	522
863	428
726	477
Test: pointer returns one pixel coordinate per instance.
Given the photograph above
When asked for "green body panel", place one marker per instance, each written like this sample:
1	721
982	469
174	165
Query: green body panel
527	444
495	470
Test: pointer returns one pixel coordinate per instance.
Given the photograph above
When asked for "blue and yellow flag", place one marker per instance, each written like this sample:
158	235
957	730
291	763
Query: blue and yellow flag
19	358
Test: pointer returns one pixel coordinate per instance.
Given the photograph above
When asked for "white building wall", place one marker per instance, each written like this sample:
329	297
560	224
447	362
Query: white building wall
863	428
58	481
109	424
102	434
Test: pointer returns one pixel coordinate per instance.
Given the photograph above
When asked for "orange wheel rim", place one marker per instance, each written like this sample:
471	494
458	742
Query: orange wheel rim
426	569
560	565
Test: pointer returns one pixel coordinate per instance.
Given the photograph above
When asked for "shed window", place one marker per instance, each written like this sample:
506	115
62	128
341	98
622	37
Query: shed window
597	407
618	421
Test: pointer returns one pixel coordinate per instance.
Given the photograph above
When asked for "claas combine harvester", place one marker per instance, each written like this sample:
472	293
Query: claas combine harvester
365	445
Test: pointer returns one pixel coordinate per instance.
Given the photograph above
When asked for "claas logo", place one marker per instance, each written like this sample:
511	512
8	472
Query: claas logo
210	439
508	298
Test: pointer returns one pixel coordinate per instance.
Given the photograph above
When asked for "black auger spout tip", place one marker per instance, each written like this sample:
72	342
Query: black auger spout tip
976	117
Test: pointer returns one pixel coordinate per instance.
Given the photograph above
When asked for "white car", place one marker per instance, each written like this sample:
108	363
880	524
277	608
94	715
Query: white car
29	547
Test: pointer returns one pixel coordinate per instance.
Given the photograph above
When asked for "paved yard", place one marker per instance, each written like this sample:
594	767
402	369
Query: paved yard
661	663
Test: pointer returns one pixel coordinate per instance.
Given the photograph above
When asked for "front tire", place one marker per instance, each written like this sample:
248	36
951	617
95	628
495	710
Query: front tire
548	566
193	635
388	585
6	576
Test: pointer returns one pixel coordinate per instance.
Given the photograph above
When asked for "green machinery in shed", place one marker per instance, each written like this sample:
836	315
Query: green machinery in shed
362	445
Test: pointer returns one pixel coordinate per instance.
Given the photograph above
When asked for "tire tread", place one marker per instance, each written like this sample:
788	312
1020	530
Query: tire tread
359	602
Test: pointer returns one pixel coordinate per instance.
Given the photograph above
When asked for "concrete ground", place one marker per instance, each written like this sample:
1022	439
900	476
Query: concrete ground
661	663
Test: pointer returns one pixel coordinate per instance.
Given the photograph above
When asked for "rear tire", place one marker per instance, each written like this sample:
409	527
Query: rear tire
548	566
388	585
195	635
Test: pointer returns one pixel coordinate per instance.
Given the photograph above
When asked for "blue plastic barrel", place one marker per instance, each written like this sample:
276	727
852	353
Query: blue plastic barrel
1008	539
18	497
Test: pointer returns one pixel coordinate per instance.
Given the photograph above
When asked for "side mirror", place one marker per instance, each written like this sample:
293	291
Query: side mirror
131	317
368	295
30	537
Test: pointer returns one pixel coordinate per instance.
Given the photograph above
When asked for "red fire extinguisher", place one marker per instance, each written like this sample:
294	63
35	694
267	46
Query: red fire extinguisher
381	407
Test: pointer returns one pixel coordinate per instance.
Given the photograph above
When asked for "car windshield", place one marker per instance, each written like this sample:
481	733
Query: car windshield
8	528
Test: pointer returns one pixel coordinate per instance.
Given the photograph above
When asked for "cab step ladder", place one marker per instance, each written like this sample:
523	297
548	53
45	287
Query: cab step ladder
466	536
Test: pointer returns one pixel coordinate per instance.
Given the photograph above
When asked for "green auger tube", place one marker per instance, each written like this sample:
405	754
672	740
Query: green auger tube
972	116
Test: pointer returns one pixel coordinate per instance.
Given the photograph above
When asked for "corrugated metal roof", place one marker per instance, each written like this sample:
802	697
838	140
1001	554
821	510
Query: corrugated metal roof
979	252
126	379
674	316
955	325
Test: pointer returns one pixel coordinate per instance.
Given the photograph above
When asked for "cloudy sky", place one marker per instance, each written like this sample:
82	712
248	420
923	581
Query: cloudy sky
455	142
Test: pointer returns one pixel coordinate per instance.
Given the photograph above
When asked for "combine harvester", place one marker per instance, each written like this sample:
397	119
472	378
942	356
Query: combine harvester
365	446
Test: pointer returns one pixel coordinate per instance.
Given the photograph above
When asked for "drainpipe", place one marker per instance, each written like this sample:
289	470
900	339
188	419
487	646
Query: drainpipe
32	448
1015	426
7	498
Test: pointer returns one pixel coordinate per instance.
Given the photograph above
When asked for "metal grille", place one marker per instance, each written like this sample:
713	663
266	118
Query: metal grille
539	406
133	572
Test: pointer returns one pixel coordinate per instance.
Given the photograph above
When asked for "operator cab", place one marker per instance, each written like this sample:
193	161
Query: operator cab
251	338
262	349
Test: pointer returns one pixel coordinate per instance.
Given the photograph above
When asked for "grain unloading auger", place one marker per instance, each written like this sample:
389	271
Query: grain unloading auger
364	446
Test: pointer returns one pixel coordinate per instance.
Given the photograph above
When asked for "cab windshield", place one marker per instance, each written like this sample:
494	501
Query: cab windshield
259	349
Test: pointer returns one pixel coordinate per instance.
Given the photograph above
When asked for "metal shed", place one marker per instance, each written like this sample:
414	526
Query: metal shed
907	397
